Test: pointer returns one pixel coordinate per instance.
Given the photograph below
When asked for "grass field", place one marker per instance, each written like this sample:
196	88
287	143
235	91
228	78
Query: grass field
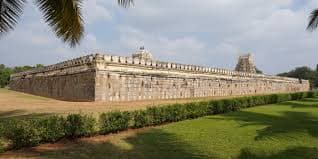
281	131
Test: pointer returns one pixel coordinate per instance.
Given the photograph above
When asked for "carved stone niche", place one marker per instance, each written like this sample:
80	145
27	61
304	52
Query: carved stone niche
122	59
129	60
173	66
136	61
148	63
115	59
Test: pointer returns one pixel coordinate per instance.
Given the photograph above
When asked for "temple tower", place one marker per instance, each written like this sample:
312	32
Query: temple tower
142	54
245	64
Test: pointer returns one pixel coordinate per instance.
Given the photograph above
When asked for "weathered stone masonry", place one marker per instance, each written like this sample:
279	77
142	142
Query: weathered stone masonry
116	78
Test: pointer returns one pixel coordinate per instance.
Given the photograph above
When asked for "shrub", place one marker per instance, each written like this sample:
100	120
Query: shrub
80	125
23	133
114	122
141	118
246	102
52	128
157	115
218	106
175	112
311	94
227	106
236	105
2	125
197	109
298	95
1	146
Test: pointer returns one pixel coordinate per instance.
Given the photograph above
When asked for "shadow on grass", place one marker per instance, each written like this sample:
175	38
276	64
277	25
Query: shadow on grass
301	104
310	99
276	126
292	153
153	144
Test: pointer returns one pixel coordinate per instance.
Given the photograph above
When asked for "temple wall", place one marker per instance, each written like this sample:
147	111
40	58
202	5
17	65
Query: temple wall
73	87
115	78
120	86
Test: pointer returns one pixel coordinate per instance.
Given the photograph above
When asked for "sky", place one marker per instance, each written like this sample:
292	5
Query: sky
206	32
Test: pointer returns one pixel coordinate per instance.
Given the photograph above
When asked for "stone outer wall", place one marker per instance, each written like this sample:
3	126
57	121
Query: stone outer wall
70	81
114	78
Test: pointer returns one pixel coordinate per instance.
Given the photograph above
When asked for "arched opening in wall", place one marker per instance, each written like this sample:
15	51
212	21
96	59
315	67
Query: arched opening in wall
235	85
255	91
109	86
219	84
180	94
173	85
157	83
229	86
142	83
209	84
108	76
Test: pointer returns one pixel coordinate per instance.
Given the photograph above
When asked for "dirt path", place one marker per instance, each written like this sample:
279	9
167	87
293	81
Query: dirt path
20	104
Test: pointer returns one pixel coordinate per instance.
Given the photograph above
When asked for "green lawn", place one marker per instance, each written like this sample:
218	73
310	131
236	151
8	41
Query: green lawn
281	131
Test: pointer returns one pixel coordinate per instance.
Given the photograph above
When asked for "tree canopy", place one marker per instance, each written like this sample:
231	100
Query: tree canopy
5	72
303	72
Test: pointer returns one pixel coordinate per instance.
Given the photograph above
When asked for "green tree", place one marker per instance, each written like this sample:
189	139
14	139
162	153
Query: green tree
18	69
303	73
63	16
39	66
4	75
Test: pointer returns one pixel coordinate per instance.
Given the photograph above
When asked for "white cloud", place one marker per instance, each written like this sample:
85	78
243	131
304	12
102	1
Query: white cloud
95	11
205	32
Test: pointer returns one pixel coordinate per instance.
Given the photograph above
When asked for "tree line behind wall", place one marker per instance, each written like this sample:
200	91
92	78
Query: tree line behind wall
304	72
5	72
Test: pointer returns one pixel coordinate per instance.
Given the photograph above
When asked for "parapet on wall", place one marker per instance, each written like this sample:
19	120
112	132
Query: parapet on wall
115	78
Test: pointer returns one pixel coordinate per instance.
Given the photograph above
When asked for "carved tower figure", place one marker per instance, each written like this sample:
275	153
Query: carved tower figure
142	54
245	64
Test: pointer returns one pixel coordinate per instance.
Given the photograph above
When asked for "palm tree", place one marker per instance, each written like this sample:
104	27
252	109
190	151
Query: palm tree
64	16
313	20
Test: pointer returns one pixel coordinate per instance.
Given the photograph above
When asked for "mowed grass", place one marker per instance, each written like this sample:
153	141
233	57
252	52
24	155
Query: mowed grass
281	131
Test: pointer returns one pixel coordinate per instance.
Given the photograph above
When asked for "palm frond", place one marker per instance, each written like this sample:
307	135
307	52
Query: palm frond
125	3
10	12
313	20
65	18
